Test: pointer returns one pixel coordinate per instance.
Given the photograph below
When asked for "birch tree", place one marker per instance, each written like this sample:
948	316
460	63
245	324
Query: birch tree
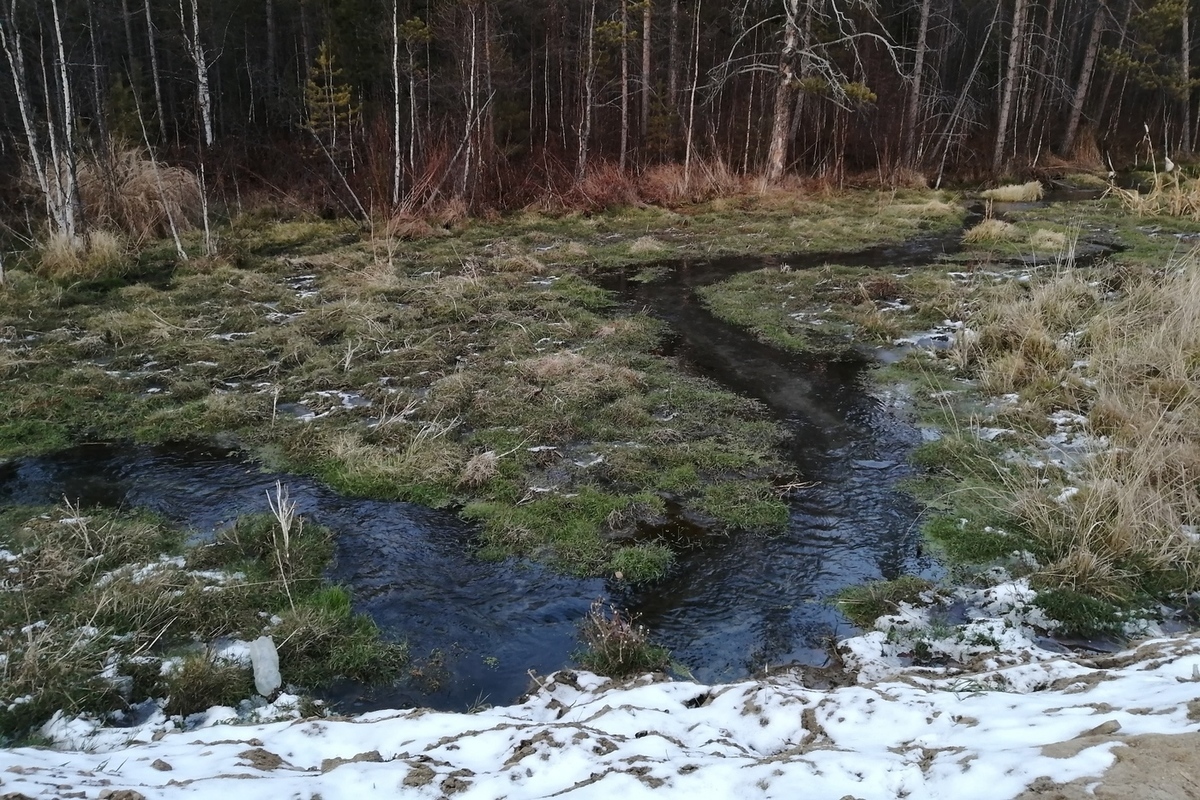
1084	83
1016	43
781	121
196	51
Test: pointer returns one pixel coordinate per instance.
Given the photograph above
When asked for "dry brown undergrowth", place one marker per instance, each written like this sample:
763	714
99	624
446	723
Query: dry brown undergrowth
125	190
1129	364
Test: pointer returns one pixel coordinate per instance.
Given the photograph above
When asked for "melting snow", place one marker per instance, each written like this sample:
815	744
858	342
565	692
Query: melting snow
921	735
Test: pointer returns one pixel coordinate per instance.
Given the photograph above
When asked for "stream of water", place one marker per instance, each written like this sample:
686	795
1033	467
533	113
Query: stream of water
731	606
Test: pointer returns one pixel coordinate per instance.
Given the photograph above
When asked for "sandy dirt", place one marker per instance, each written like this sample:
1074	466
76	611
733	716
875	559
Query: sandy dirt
1148	767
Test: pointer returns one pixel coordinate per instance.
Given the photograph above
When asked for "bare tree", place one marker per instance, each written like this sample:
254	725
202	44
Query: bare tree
914	97
781	122
65	160
691	123
154	76
1185	77
48	176
646	76
624	82
196	52
1015	56
396	156
1083	85
589	94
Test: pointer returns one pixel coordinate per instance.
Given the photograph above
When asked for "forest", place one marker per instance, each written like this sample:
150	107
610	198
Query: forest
354	107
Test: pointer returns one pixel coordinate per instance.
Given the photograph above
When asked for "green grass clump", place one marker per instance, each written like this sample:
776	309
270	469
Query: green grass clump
641	562
322	637
103	588
750	505
199	682
866	603
1080	614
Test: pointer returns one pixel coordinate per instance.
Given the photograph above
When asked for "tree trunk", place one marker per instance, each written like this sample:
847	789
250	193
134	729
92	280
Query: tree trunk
624	83
914	98
469	128
589	79
10	41
960	104
1185	145
782	118
154	76
673	56
272	75
1015	54
98	66
65	165
1042	77
691	124
646	78
196	51
1085	81
126	18
396	156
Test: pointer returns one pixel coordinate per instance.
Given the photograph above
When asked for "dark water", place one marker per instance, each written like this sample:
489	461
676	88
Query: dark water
739	604
732	605
408	565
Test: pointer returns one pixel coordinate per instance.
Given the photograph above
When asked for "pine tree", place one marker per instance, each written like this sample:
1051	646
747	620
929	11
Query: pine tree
330	105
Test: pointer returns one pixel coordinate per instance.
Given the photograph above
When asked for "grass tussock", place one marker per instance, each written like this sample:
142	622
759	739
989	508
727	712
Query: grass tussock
1016	193
100	254
116	608
866	603
616	646
1116	523
1047	241
124	189
991	231
1170	194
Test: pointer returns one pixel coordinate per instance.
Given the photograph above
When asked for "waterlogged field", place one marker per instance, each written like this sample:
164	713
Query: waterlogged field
473	365
1051	358
465	365
458	363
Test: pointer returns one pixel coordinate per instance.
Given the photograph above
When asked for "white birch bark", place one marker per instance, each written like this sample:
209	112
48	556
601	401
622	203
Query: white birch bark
196	51
396	157
589	79
158	101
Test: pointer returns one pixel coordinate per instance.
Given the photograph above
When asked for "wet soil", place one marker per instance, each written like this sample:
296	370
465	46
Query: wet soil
732	606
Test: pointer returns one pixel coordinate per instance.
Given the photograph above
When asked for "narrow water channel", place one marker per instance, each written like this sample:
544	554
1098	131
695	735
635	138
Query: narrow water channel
730	607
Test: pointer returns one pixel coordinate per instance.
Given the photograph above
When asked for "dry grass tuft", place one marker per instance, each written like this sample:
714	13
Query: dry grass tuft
929	209
606	186
646	245
479	470
1171	195
565	370
668	184
61	258
133	194
1016	193
1048	241
406	226
992	230
617	646
1126	522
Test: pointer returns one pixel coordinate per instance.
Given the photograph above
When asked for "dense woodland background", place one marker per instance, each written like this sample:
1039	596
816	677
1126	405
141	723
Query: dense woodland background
361	106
